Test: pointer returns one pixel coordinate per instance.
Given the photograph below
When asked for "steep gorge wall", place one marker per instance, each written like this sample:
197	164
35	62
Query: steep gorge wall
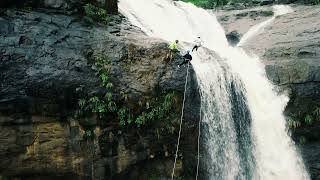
45	60
64	6
46	66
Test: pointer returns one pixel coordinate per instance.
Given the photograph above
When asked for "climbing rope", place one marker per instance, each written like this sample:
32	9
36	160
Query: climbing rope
181	119
199	130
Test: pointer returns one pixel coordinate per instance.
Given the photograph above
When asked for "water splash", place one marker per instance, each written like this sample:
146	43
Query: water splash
245	134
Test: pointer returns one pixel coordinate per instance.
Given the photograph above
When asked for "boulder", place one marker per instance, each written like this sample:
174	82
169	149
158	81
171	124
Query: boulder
233	38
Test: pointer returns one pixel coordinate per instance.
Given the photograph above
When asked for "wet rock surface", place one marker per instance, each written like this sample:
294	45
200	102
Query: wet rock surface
310	150
289	49
233	38
45	59
240	21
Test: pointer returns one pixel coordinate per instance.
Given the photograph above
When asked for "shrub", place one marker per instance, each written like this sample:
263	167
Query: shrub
293	123
96	13
306	120
102	104
158	109
209	3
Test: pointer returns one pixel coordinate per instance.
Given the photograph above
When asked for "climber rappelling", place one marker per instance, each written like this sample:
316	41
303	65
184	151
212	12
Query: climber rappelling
187	58
198	43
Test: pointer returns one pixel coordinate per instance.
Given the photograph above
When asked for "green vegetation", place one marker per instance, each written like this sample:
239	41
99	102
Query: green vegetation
88	134
302	140
306	120
315	2
96	13
102	105
207	3
158	109
215	3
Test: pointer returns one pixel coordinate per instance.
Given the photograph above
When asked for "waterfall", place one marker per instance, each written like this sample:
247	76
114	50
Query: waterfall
278	11
244	132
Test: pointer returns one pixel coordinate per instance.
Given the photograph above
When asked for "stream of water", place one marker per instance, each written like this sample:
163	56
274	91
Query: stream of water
244	132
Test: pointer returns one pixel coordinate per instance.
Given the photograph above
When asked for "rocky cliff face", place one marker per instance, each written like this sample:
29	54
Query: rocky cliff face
63	6
290	55
240	21
289	49
46	66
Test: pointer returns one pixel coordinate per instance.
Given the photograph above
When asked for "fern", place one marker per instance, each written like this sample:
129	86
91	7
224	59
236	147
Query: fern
316	112
101	104
308	119
122	115
292	123
82	103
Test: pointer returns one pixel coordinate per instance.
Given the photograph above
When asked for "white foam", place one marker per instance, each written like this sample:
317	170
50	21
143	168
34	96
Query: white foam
275	155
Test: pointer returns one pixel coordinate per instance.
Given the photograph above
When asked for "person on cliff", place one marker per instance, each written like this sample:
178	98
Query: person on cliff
186	59
173	48
198	43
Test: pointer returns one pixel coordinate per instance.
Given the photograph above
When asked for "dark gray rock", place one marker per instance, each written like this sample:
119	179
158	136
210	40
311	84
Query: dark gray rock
233	38
311	154
62	6
56	4
291	56
242	20
112	6
46	63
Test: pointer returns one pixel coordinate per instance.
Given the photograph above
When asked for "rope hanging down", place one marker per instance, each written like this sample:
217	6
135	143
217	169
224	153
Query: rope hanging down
199	130
181	119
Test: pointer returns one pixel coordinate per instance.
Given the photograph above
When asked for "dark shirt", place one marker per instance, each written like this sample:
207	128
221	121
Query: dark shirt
188	56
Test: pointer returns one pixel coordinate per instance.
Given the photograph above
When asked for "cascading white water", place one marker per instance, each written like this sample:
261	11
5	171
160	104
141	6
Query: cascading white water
245	133
278	11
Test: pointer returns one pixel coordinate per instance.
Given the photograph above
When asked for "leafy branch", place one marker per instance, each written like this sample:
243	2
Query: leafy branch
101	104
306	120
